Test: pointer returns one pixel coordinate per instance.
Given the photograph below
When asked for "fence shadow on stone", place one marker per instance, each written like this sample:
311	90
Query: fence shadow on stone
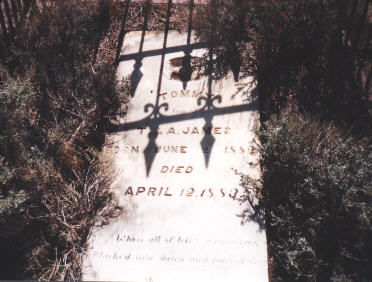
156	113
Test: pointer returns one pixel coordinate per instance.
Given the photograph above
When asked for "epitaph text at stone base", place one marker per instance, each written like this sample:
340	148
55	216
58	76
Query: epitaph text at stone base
176	154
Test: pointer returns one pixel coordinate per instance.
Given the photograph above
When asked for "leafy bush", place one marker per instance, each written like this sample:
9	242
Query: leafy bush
64	215
17	114
52	128
18	110
317	194
296	51
6	174
316	185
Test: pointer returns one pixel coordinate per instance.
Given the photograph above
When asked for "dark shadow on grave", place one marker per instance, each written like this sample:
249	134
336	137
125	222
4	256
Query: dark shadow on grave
252	211
149	152
207	111
155	118
121	34
137	74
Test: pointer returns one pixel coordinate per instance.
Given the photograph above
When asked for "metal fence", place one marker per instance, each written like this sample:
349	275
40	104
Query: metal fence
358	38
357	30
14	13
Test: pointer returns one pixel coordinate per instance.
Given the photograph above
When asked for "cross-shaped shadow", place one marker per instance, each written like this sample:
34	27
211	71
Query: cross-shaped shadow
208	106
156	116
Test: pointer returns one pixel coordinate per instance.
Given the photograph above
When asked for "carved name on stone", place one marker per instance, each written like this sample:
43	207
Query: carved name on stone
175	155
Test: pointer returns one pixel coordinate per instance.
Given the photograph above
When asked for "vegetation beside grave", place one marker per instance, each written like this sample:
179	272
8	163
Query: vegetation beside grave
316	192
56	87
304	54
311	66
57	84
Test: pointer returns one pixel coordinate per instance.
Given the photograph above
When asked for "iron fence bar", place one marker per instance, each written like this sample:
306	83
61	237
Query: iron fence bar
189	28
19	7
208	113
351	20
9	18
166	28
2	22
34	9
367	86
144	27
208	110
187	58
153	117
211	49
138	60
21	11
167	50
164	119
365	51
359	31
121	35
25	9
3	49
14	10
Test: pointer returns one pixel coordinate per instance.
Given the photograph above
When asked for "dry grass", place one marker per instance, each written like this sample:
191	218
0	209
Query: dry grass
156	14
44	236
69	210
315	189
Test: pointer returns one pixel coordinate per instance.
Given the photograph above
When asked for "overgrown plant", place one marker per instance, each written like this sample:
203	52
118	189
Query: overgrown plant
52	124
69	212
316	191
297	52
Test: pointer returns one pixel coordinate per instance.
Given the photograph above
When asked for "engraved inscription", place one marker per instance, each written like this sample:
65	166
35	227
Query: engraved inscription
174	158
186	130
231	193
176	169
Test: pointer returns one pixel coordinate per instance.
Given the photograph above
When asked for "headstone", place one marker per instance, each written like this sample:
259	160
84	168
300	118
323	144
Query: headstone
176	154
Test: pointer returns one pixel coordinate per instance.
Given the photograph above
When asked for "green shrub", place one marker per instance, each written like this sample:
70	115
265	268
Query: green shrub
9	203
18	112
295	49
52	128
317	194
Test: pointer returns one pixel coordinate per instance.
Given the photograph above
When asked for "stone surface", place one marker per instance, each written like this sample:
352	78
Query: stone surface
175	154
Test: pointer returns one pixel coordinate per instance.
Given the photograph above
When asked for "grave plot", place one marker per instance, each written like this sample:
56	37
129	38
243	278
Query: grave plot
175	154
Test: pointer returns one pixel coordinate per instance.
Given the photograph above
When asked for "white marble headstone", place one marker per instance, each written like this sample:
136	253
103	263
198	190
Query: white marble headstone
175	160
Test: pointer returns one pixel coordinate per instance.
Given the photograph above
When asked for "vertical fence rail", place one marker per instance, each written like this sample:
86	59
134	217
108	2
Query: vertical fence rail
121	34
9	17
14	13
2	21
358	40
361	23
